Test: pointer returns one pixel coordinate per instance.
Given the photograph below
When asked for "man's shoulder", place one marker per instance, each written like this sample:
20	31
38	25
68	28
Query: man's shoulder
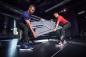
60	16
25	13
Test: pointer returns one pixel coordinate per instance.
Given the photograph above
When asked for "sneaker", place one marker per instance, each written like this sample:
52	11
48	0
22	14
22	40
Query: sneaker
24	46
64	42
30	46
60	45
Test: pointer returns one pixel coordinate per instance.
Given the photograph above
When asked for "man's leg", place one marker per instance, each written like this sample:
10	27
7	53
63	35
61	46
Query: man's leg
58	34
61	36
24	43
25	37
65	27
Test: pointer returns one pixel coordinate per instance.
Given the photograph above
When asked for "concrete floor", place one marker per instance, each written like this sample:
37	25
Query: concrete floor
45	49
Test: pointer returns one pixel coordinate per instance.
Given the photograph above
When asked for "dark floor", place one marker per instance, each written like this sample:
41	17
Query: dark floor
72	48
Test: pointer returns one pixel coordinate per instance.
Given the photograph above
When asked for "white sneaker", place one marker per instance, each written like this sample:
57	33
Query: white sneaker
59	44
64	42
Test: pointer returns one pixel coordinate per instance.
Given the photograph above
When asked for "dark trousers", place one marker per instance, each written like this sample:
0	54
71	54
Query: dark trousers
25	30
62	32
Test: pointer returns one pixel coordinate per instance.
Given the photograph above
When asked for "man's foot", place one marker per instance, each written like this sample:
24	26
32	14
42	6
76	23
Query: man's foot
64	42
60	45
26	46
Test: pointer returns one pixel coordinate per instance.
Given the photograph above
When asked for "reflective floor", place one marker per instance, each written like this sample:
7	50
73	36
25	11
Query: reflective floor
73	48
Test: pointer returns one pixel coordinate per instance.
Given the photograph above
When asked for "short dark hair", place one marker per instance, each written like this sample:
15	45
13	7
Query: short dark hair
31	5
57	12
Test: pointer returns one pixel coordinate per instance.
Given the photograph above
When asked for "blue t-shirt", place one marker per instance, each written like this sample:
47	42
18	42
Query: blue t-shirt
25	16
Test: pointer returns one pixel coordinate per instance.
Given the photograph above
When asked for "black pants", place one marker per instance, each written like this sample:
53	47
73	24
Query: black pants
25	30
63	31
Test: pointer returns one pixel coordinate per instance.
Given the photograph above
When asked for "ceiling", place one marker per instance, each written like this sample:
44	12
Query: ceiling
42	5
45	7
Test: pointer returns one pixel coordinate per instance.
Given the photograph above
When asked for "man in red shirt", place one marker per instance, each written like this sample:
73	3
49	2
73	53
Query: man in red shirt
64	23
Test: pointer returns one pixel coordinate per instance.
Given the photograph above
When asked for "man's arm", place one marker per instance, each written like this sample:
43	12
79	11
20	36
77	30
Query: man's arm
30	25
56	25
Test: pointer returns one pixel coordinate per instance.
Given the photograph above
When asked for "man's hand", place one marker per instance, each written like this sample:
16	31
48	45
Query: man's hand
54	29
34	34
30	25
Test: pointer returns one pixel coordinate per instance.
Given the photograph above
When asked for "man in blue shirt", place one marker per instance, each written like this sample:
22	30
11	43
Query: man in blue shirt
25	24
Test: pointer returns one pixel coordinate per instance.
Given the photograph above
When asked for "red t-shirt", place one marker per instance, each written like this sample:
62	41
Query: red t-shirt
61	20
